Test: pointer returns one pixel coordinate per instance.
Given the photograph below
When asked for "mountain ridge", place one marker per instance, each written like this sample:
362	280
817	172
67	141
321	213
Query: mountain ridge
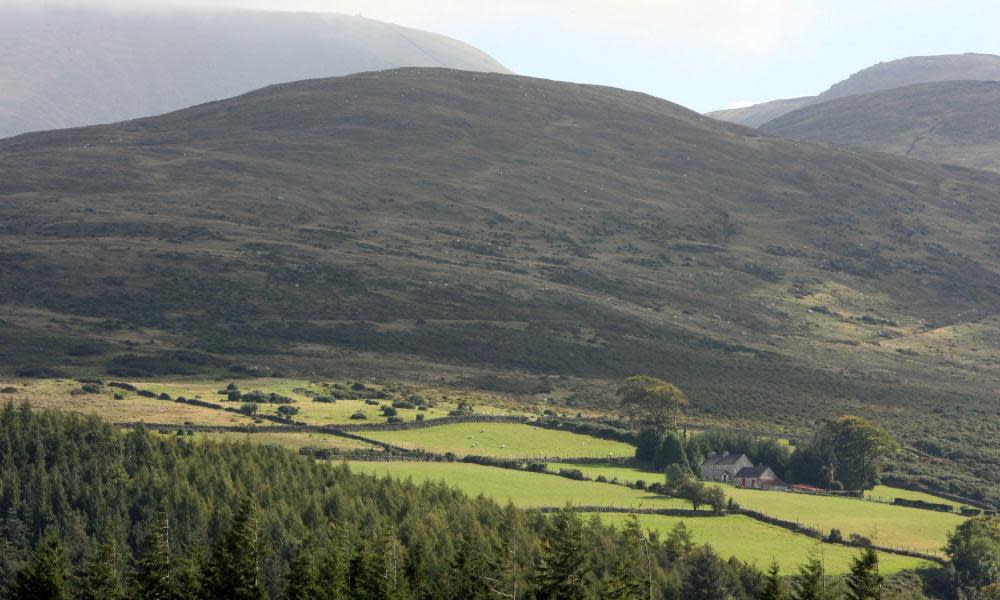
139	63
430	223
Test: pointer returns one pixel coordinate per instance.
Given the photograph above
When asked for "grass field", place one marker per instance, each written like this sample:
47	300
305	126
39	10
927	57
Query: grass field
914	528
56	394
503	440
895	526
755	542
884	492
523	489
291	440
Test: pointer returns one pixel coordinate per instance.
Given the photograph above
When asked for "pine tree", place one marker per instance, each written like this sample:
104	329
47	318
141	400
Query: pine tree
46	575
560	576
774	586
679	542
152	578
302	582
234	571
333	565
100	578
671	452
629	577
505	583
469	571
706	577
864	581
810	582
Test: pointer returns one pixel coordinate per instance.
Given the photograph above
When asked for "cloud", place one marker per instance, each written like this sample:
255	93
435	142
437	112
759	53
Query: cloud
749	26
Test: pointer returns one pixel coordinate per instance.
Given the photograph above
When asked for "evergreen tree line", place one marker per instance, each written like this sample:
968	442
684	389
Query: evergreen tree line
89	511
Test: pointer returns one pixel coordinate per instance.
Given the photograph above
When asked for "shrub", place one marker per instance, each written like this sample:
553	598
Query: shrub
358	416
420	417
39	372
119	396
602	479
326	399
288	411
249	409
835	536
357	387
234	395
371	402
388	411
860	540
231	387
537	467
403	404
122	386
394	420
640	484
146	394
165	396
576	474
91	388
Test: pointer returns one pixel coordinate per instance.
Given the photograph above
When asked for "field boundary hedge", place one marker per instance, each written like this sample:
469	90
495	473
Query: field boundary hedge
454	420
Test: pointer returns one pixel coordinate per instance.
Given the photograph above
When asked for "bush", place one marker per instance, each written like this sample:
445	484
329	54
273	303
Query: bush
576	474
122	386
640	484
359	416
234	395
231	387
835	536
388	411
146	393
165	396
420	417
860	540
394	420
537	467
403	404
601	479
326	399
288	411
371	402
39	372
119	396
91	388
249	409
357	387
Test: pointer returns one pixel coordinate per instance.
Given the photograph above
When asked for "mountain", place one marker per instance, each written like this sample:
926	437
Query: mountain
440	225
67	67
883	76
956	122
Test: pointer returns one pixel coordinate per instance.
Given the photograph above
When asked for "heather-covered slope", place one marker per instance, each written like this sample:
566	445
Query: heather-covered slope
433	223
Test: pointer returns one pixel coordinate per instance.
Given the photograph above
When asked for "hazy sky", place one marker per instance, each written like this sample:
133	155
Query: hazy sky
705	54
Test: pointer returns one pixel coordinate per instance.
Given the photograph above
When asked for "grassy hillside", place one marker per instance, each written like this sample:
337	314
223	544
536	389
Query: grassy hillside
537	238
954	122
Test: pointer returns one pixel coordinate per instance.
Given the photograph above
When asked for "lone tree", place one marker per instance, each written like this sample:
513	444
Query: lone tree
652	400
974	550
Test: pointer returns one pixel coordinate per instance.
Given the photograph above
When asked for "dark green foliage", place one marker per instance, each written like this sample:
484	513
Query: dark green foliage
864	581
46	575
706	578
974	549
181	516
629	578
811	583
846	453
759	449
560	575
234	572
773	587
100	580
671	452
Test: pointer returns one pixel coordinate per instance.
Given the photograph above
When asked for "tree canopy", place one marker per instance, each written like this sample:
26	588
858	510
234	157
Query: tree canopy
652	401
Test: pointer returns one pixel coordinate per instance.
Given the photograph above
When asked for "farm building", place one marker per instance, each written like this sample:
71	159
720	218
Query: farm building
758	478
724	467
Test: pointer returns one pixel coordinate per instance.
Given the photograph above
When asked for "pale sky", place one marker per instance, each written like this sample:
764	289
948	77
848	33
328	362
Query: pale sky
704	54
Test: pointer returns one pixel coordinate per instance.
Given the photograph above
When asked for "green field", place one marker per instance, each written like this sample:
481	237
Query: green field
889	525
291	440
523	489
895	526
884	493
755	542
510	440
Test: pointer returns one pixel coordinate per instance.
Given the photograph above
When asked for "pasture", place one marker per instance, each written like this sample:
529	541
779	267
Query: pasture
521	488
755	542
292	440
506	440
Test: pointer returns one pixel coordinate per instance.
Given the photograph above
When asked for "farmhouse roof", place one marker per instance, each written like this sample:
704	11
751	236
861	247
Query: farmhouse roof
724	459
753	472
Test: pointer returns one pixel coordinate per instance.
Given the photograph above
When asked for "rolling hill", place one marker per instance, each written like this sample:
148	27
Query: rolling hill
883	76
952	122
520	234
66	67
